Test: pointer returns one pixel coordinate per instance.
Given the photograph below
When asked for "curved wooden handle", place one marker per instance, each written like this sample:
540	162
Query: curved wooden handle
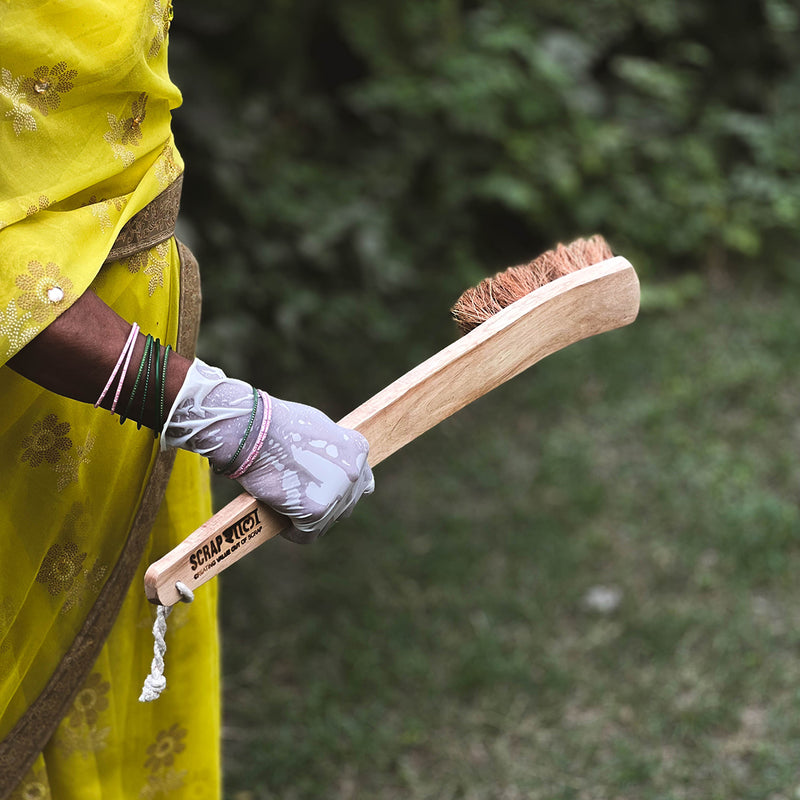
592	300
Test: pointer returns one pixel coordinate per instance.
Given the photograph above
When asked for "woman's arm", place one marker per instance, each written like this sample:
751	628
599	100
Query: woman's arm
75	354
290	456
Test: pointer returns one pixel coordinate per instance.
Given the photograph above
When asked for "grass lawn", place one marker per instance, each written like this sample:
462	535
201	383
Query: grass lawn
582	586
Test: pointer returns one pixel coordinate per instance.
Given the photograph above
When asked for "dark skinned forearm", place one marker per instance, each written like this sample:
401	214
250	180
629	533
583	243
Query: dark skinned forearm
75	355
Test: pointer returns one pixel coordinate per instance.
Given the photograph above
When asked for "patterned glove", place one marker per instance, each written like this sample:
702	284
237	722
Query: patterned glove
289	456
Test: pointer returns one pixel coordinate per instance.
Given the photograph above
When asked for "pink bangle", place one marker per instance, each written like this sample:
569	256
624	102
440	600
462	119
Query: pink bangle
129	344
262	434
124	372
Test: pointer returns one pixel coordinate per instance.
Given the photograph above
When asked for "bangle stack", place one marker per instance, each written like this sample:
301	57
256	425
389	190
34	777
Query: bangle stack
151	378
262	434
125	356
232	461
152	363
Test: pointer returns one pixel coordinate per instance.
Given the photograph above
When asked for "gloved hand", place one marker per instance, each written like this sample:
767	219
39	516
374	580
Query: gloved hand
289	456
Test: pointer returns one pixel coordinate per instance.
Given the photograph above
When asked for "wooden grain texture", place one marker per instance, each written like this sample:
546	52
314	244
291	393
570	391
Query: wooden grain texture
592	300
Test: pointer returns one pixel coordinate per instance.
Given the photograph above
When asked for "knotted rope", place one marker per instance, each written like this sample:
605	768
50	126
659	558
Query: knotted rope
155	682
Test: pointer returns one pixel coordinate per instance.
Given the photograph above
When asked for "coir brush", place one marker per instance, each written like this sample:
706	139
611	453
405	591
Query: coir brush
511	321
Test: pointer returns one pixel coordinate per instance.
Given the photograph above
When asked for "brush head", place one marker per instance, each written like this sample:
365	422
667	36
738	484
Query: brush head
481	302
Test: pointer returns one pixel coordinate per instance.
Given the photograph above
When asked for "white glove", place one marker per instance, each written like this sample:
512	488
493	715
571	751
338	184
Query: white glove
289	456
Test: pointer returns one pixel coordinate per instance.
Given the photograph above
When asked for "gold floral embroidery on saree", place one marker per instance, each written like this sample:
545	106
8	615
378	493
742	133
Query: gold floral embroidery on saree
64	570
167	170
67	468
34	787
40	92
162	19
161	754
45	290
85	587
17	328
164	778
152	263
89	702
35	208
88	581
46	442
125	133
81	731
43	91
102	209
20	113
61	566
44	286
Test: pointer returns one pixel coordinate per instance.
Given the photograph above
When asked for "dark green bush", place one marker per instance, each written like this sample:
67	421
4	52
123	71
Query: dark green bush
353	165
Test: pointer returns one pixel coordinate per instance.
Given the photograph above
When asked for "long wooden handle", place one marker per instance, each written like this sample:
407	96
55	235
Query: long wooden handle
592	300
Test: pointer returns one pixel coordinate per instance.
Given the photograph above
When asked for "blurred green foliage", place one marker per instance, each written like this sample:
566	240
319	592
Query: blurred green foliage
352	165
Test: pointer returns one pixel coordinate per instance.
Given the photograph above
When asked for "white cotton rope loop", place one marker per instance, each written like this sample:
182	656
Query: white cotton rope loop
155	682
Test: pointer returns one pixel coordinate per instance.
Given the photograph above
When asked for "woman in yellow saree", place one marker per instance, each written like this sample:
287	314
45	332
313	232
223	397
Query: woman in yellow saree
89	182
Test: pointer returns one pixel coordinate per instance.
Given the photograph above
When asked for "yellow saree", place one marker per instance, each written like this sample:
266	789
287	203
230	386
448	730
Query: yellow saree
85	105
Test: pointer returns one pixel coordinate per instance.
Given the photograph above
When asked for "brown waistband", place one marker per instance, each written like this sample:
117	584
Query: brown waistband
154	224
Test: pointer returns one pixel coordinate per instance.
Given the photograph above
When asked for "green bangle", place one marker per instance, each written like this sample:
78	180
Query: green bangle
160	421
140	421
147	343
156	386
244	438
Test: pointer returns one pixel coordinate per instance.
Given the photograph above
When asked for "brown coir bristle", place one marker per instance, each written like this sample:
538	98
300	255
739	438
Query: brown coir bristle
491	295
